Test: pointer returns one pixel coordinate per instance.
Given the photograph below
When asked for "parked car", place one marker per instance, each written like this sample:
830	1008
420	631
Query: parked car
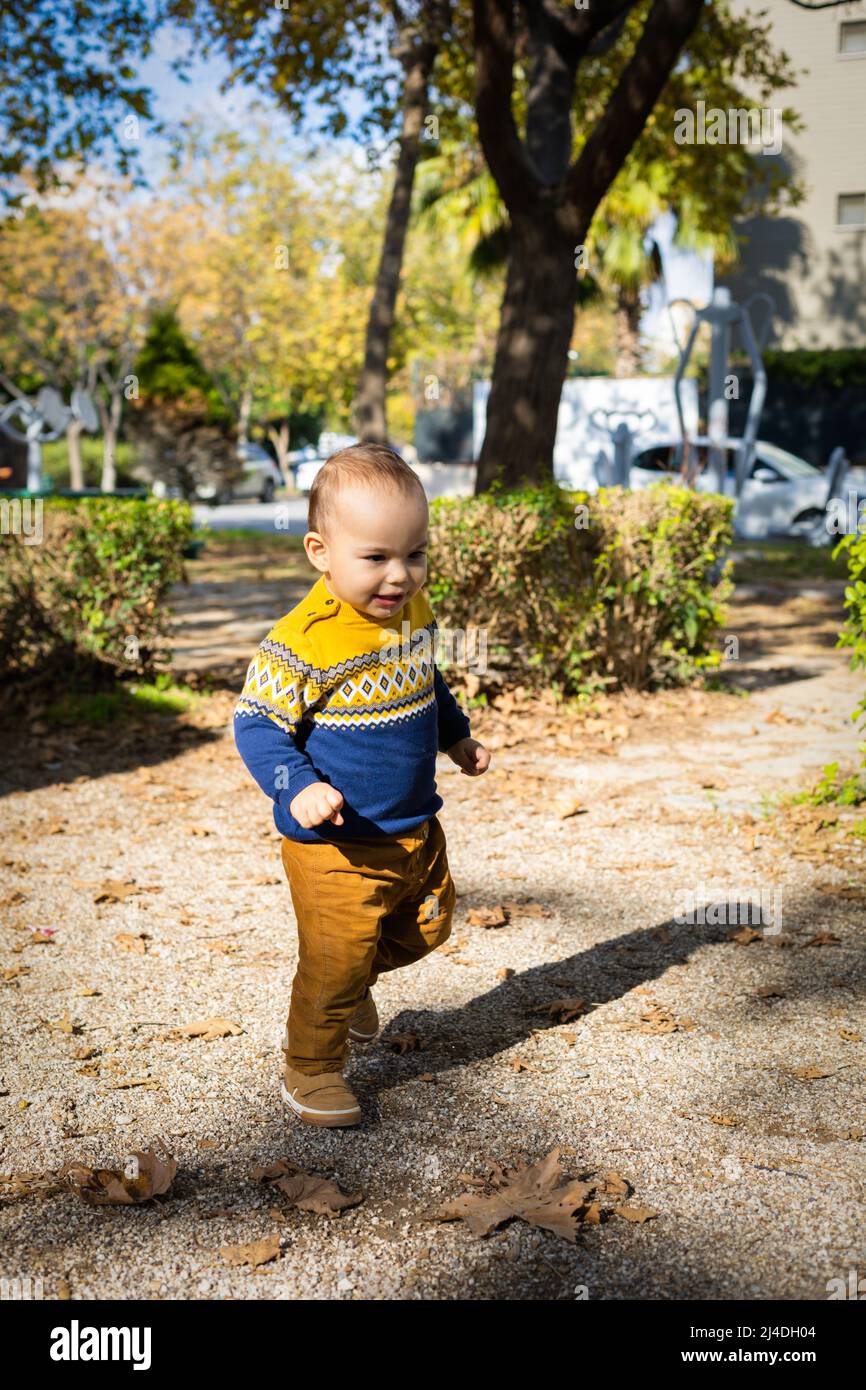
259	476
783	496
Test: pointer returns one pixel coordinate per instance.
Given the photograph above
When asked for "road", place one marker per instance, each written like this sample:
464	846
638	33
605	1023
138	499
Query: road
288	516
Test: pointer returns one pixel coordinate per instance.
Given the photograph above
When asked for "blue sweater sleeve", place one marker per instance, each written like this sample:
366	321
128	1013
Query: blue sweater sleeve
280	687
453	723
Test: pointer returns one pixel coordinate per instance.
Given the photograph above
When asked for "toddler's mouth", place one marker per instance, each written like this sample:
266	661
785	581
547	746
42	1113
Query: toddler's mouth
390	599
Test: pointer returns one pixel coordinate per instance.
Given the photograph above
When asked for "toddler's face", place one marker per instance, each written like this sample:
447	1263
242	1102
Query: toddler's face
375	556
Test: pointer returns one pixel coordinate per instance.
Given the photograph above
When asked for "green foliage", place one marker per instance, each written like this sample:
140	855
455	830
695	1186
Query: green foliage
169	369
830	368
73	60
830	789
90	599
630	598
853	632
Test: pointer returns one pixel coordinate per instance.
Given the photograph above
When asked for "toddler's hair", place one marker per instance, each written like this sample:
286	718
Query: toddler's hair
371	465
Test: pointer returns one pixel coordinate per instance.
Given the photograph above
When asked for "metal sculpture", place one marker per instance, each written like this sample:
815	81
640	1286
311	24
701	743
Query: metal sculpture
42	420
622	436
723	315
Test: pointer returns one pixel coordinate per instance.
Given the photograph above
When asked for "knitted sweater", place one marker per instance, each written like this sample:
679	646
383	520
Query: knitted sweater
333	695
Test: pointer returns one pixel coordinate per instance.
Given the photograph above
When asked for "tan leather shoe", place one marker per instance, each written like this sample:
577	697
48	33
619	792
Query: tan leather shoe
364	1025
324	1099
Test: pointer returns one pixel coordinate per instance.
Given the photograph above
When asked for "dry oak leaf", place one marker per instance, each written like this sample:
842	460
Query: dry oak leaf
260	1252
812	1073
564	1010
403	1042
520	907
657	1020
114	890
131	941
487	917
744	936
14	899
824	938
537	1195
569	806
307	1191
207	1030
639	1214
107	1187
848	1035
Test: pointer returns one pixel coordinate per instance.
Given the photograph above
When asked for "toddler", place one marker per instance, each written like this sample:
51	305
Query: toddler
339	722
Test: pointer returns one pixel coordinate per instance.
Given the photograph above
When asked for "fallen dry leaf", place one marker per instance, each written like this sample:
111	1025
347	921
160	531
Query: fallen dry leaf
744	936
260	1252
131	941
114	890
487	917
639	1214
538	1195
207	1030
307	1191
143	1177
564	1010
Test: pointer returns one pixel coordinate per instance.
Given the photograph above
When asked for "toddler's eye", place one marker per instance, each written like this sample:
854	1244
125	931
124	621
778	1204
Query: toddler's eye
376	559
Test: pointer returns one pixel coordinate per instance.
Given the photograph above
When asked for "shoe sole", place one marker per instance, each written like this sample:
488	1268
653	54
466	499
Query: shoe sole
331	1119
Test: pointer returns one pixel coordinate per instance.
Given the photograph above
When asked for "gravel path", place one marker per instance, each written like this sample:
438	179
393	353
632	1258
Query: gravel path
690	1068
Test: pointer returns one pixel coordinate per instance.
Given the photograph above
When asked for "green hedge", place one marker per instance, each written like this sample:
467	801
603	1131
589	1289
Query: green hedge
832	368
90	597
620	589
853	632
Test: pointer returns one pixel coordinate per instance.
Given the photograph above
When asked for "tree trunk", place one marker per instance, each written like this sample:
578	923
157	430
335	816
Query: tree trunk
281	439
110	433
535	330
370	421
627	316
73	445
246	410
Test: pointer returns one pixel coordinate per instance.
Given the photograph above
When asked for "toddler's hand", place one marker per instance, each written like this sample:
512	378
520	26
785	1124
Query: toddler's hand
317	803
470	756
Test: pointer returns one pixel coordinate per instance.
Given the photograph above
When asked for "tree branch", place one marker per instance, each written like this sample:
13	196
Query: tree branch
500	140
669	24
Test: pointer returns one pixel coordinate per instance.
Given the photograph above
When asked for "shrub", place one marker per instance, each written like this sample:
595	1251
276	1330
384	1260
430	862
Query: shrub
91	597
580	592
853	632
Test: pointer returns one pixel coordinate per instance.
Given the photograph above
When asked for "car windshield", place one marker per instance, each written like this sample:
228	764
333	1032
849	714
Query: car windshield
789	463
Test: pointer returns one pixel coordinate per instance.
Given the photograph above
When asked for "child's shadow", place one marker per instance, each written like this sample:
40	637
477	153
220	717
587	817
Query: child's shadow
519	1006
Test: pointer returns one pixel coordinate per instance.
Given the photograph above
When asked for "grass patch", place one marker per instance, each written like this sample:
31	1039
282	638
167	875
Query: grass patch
757	562
98	709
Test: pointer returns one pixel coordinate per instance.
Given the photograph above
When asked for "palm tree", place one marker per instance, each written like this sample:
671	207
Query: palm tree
456	192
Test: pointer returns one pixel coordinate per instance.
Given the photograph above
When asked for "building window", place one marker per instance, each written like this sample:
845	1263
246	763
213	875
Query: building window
852	36
851	210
